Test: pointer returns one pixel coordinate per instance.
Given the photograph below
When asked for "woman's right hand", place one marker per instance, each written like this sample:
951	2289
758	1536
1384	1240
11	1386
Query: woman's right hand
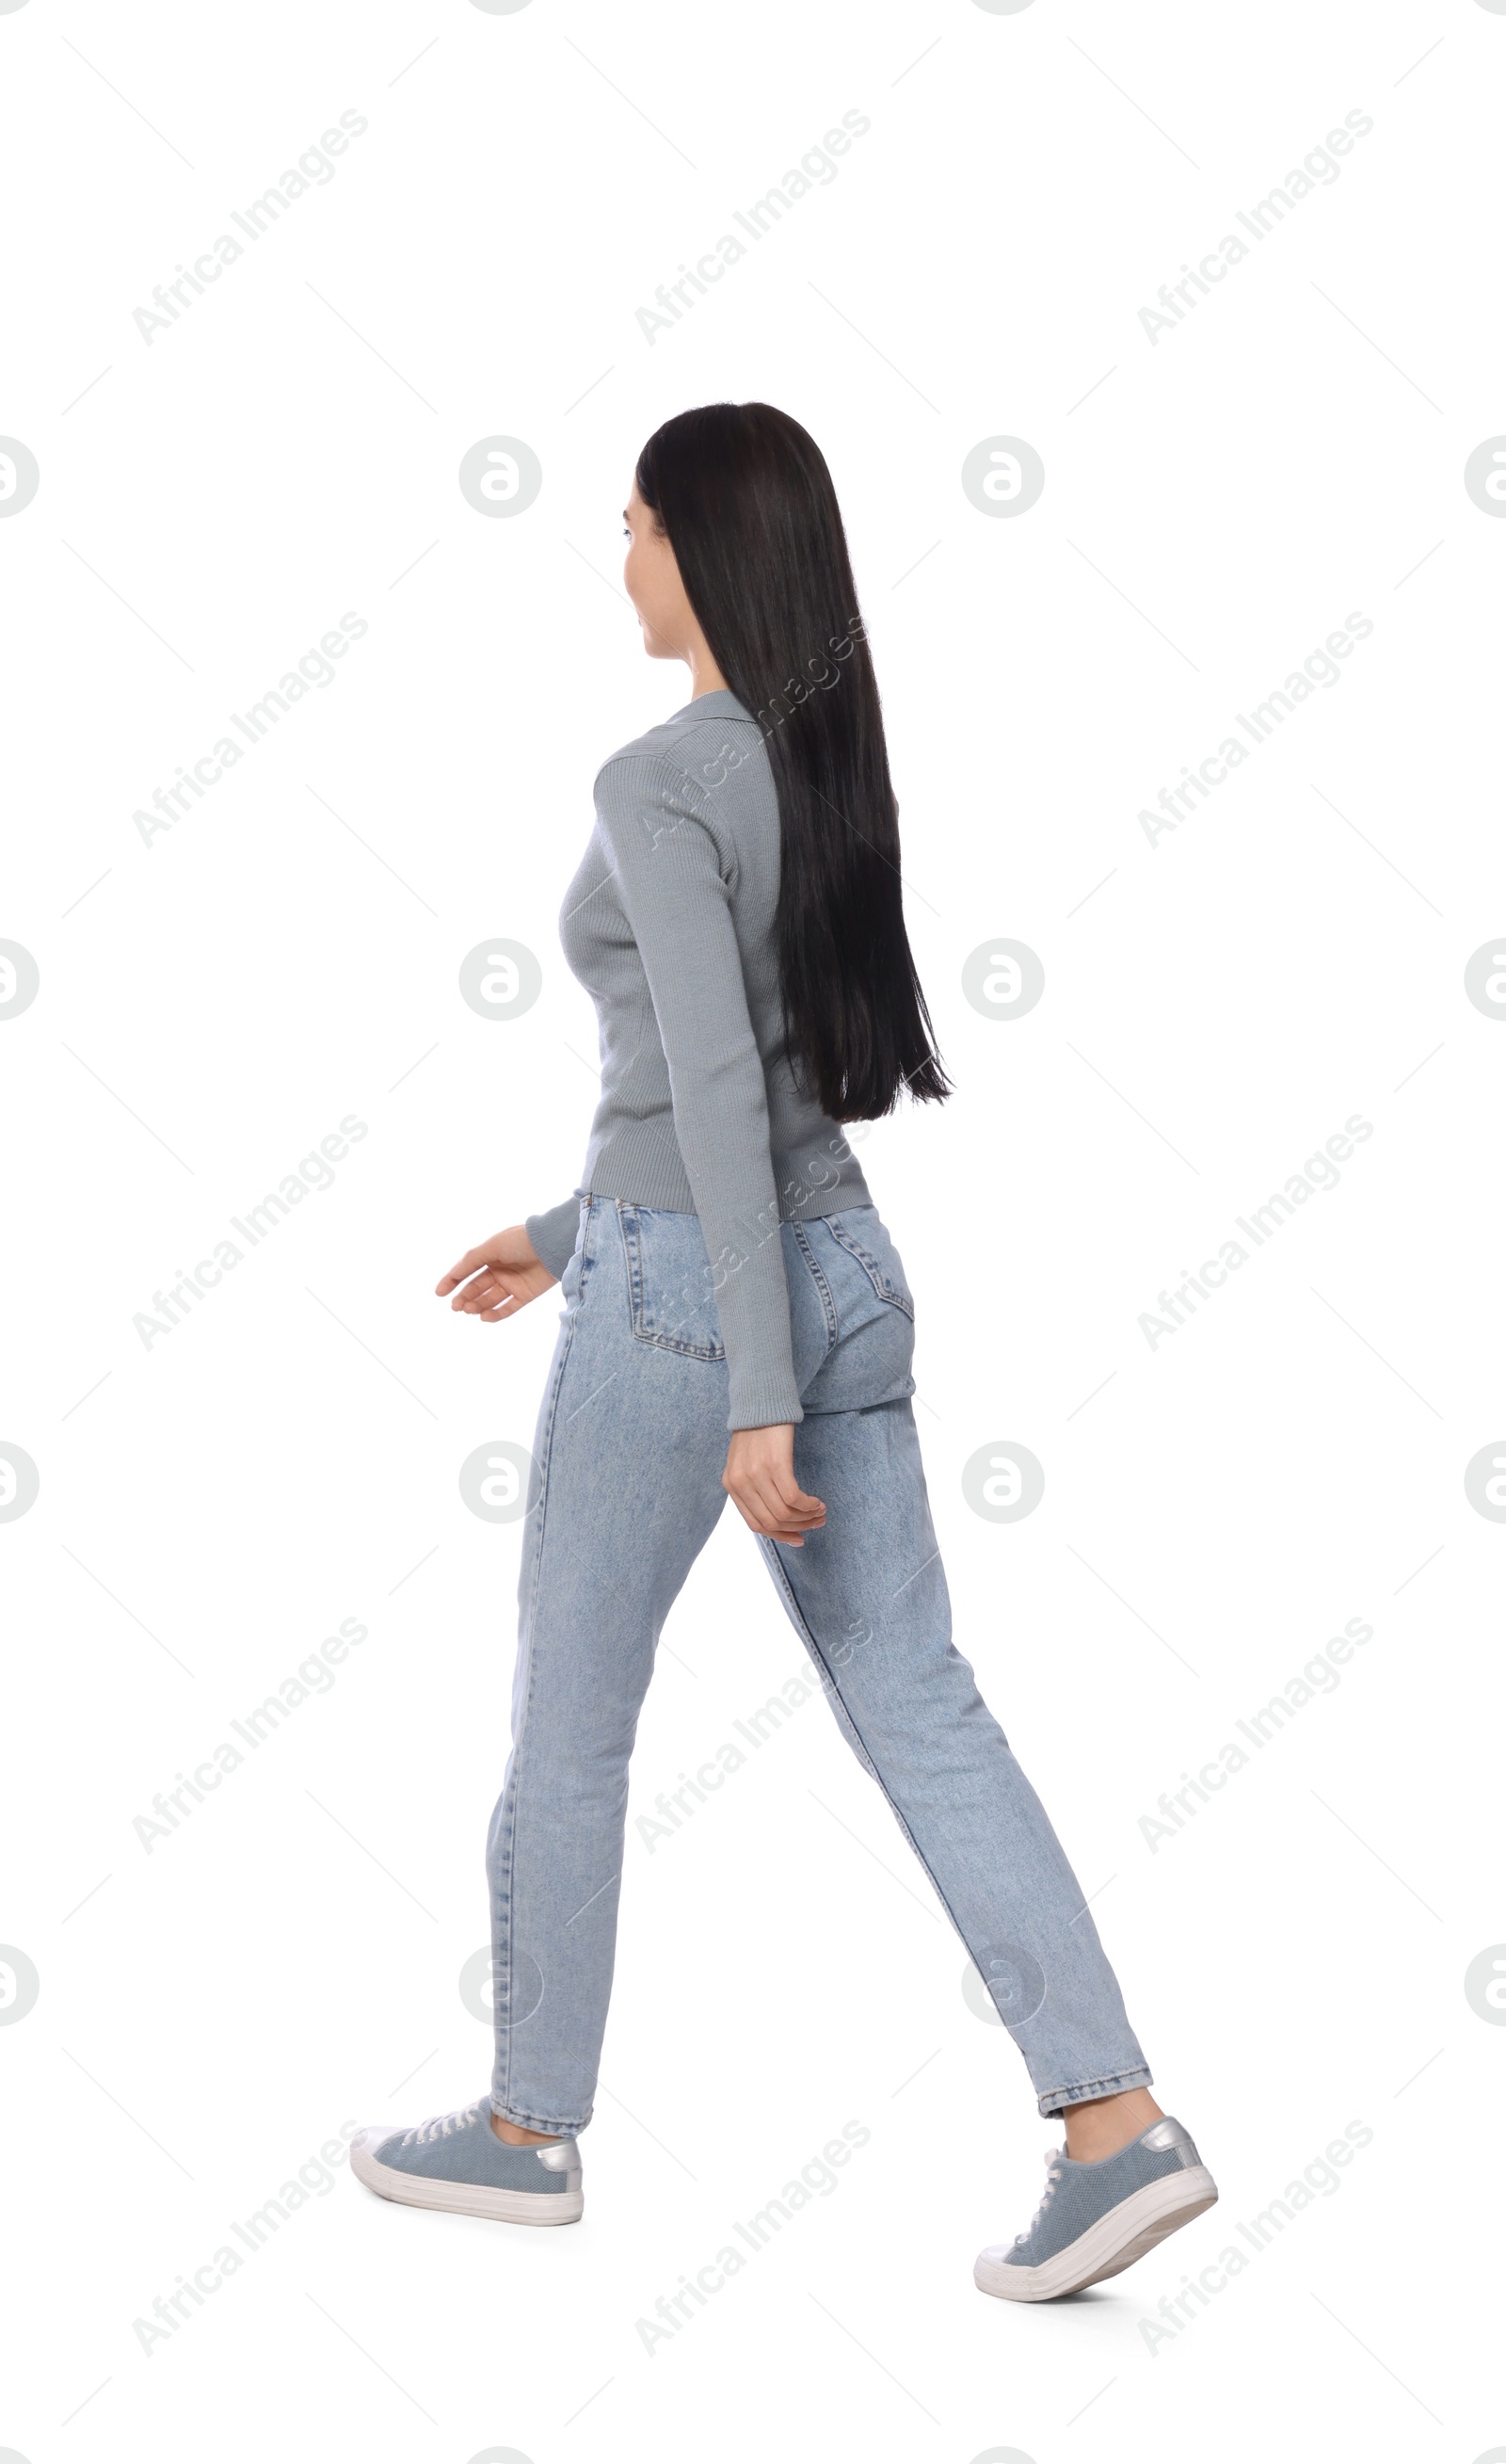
499	1277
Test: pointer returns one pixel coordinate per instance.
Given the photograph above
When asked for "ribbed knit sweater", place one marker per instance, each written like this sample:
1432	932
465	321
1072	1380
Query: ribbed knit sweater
669	924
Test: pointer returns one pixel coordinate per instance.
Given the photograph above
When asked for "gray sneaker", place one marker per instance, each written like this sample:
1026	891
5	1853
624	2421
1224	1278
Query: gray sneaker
1096	2219
457	2162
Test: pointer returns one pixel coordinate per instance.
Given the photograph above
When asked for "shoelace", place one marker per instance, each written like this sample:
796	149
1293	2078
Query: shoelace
440	2125
1053	2178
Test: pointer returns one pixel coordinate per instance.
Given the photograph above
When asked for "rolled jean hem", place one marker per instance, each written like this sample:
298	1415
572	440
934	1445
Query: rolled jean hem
536	2122
1057	2098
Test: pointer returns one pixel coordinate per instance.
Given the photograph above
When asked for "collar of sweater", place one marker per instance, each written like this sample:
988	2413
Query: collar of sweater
723	703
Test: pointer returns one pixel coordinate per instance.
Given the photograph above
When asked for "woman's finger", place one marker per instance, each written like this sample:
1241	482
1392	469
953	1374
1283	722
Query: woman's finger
463	1266
469	1295
793	1498
751	1508
789	1501
767	1511
760	1524
780	1507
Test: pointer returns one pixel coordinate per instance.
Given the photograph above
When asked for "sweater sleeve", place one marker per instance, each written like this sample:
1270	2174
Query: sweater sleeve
668	871
554	1232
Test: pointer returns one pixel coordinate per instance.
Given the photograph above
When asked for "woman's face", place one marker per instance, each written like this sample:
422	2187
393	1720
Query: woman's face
652	579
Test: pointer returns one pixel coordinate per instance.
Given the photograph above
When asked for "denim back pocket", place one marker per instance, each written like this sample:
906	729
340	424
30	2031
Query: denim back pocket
671	1299
885	1271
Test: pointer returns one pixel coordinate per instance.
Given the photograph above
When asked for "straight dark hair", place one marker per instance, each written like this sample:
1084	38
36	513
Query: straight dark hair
747	501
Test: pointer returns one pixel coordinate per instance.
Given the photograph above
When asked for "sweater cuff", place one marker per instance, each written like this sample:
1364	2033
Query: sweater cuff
763	1402
555	1232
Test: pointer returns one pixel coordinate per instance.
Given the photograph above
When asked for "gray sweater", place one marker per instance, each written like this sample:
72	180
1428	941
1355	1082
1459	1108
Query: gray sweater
669	924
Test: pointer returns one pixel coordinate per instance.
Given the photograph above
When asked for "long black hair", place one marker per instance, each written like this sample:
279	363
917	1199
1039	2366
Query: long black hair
747	501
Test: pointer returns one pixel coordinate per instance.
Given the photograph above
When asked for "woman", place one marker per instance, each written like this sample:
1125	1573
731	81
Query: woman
730	1293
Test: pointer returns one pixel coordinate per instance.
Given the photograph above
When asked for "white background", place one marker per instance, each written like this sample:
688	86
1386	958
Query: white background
214	1003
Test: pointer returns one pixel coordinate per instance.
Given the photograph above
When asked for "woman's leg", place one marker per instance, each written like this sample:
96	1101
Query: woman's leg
868	1595
624	1493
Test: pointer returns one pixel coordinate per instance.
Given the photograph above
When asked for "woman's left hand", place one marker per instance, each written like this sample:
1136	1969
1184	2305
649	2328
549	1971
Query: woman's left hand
760	1481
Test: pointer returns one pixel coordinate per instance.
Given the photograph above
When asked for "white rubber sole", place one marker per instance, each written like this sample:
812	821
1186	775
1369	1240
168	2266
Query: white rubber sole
1114	2243
460	2198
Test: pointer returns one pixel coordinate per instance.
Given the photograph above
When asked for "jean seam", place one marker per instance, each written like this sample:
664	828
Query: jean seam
797	1617
1138	2073
551	2121
871	1268
514	1792
583	1238
822	1287
1053	2100
630	1253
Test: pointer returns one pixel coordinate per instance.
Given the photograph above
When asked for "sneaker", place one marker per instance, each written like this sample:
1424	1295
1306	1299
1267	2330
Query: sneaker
458	2162
1096	2219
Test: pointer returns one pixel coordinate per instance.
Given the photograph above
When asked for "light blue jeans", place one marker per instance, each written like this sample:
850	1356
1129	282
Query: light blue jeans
626	1491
